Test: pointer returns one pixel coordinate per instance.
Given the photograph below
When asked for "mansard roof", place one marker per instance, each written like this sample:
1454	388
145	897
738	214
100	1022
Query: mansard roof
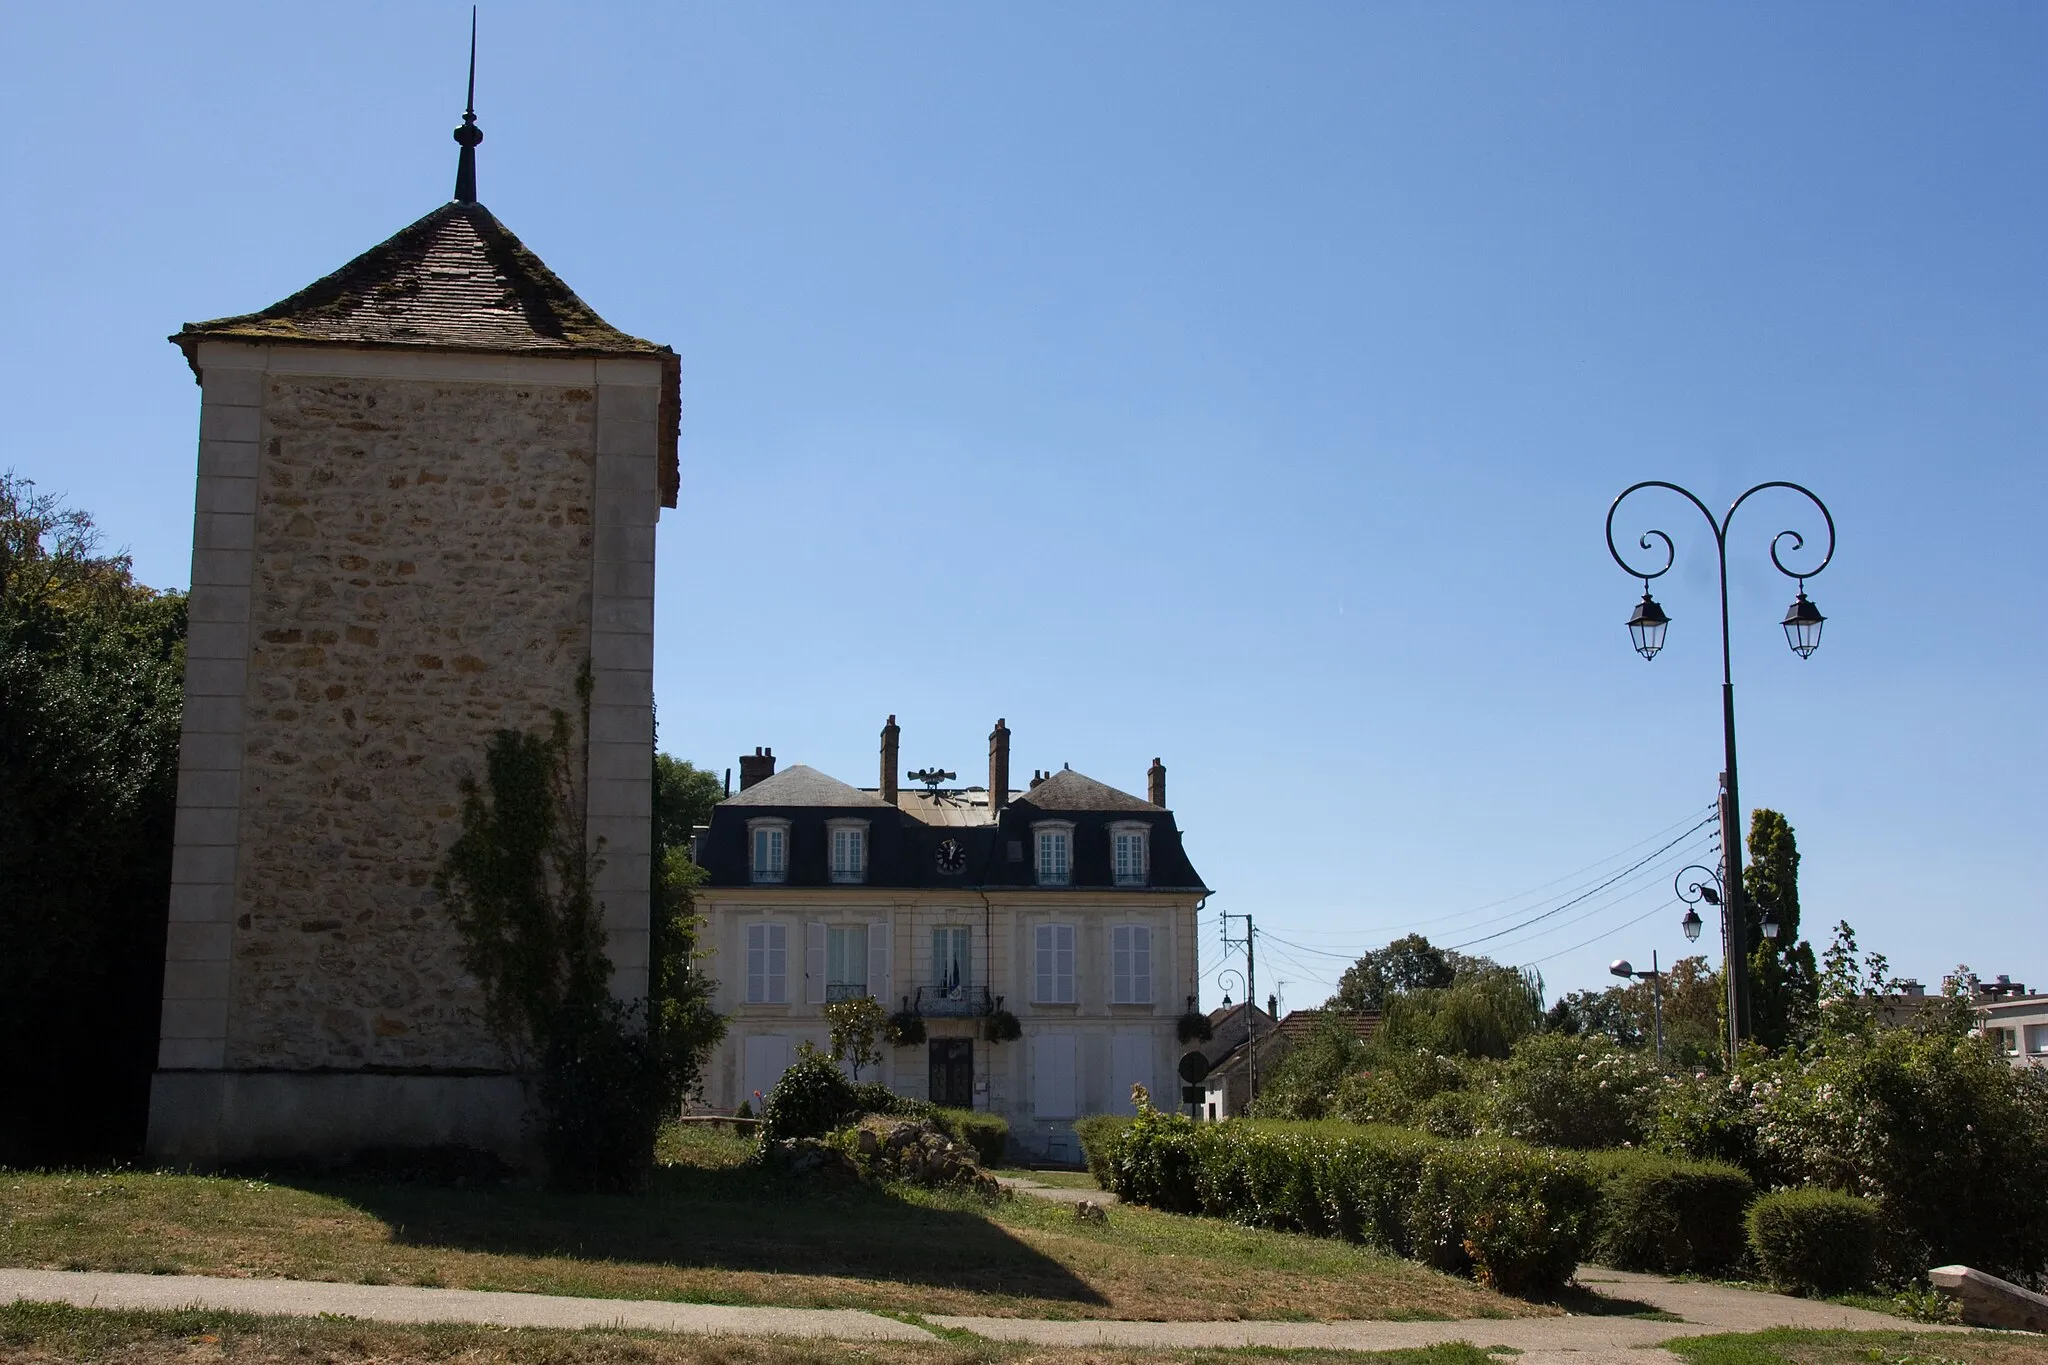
1067	790
798	785
455	280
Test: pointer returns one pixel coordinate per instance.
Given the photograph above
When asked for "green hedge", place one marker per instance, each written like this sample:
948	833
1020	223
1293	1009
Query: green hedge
1814	1241
1099	1134
987	1134
1669	1216
1516	1217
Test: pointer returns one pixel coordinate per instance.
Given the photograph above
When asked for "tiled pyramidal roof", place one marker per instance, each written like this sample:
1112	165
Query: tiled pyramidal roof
455	280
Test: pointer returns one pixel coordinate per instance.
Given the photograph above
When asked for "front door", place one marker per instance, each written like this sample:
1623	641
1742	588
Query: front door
952	1072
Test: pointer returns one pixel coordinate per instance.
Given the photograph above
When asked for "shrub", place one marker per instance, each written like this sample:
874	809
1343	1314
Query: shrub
1814	1241
812	1098
1194	1027
987	1134
1516	1217
1452	1114
1560	1091
1001	1026
905	1029
1668	1216
1099	1135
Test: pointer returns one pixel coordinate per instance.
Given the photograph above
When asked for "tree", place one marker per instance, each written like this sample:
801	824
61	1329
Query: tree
1783	980
683	797
857	1026
680	986
1611	1013
1407	964
91	694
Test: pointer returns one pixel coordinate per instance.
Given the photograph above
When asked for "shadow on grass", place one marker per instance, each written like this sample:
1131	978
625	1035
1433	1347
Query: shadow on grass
735	1219
1591	1303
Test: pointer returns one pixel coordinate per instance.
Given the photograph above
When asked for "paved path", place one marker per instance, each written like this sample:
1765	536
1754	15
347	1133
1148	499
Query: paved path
1544	1341
1059	1194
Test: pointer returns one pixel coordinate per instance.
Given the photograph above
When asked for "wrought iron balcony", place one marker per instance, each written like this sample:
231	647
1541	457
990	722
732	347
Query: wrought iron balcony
939	1002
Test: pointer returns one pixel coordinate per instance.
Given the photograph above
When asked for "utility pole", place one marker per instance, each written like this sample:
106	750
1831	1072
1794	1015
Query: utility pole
1251	996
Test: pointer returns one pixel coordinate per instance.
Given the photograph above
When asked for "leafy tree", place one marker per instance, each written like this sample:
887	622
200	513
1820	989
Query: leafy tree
1303	1085
680	985
1481	1015
1784	984
857	1026
1407	964
683	797
91	693
1611	1013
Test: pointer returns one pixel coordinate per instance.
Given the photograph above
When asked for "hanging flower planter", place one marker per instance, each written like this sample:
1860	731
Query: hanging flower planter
1001	1026
905	1028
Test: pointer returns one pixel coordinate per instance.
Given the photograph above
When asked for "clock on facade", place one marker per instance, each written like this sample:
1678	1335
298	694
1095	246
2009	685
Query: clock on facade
952	858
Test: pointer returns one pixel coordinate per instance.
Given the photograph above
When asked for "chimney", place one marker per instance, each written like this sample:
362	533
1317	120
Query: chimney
998	767
1155	783
1036	778
892	736
757	766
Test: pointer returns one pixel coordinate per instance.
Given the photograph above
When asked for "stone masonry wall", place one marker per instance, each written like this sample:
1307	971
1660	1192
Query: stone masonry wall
422	578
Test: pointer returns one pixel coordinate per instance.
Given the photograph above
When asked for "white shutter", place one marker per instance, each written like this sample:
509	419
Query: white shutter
1130	1064
1120	965
814	963
766	1058
1141	965
775	974
878	960
1043	988
1063	963
1052	1075
757	963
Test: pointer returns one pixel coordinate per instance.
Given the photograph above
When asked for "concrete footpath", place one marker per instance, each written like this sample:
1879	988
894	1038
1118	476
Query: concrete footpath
1569	1340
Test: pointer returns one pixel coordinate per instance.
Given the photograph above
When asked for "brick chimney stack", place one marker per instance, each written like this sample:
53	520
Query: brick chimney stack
757	766
1155	783
892	739
998	767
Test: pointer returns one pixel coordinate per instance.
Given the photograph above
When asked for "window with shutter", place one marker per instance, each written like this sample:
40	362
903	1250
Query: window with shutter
767	964
879	954
952	963
1052	1076
1053	978
1130	955
1130	1064
814	964
846	962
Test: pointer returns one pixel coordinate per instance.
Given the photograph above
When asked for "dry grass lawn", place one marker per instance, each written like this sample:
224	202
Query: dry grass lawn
715	1231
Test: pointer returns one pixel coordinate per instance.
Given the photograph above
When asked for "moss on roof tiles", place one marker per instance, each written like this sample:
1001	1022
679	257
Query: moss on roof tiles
457	278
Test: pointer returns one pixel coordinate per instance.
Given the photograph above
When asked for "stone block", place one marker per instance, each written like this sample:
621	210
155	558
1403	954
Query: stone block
207	825
217	640
191	1054
1988	1301
209	751
223	568
624	581
627	403
622	687
621	370
624	506
228	459
222	493
189	979
232	355
197	941
632	473
215	677
224	531
634	544
622	725
220	422
208	787
195	1018
624	836
228	387
213	715
624	438
623	765
632	650
191	863
211	602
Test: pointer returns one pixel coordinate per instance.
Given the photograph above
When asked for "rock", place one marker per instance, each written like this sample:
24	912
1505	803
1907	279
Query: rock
1088	1211
1988	1301
869	1143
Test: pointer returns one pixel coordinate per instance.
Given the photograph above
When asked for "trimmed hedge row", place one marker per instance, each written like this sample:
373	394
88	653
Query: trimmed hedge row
1518	1218
987	1134
1814	1241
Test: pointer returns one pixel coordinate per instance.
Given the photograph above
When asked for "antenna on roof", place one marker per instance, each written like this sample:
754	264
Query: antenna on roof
468	134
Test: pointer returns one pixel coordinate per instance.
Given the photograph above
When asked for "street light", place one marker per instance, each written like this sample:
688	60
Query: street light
1251	1038
1623	970
1802	633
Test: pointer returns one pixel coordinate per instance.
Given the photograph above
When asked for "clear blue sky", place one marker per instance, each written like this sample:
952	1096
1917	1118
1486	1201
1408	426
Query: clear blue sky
1241	385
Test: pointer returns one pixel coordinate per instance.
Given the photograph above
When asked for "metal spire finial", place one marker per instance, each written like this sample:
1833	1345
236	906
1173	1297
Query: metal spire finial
469	135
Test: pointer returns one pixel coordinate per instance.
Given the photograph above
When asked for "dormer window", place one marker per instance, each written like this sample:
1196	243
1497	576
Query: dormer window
1129	863
849	841
1055	853
770	839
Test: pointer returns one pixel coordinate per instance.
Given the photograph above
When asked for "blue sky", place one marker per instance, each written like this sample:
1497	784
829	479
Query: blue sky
1241	385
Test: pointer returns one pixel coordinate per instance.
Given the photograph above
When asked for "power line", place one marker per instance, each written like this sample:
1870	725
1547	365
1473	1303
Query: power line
1653	874
1605	933
1558	909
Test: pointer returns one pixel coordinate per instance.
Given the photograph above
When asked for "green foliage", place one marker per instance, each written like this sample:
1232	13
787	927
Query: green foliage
517	883
1099	1135
1814	1241
905	1028
1483	1014
1407	964
857	1026
1304	1083
1784	984
680	987
987	1134
1667	1216
91	693
812	1098
1610	1013
1560	1091
1515	1217
683	797
1001	1026
1194	1027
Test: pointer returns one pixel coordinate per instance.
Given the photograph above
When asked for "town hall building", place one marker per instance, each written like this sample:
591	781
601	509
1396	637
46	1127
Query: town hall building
1069	905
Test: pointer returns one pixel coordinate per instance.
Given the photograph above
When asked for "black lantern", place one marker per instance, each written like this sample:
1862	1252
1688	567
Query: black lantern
1802	624
1646	627
1770	924
1691	924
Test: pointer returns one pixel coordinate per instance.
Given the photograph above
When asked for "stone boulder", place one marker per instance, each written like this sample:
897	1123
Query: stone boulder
920	1152
1988	1301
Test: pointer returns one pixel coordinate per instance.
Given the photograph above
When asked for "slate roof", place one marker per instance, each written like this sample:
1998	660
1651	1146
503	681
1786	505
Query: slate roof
798	785
455	280
1068	790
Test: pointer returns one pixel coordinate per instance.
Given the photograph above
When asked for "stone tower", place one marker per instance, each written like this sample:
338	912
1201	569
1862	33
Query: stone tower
427	495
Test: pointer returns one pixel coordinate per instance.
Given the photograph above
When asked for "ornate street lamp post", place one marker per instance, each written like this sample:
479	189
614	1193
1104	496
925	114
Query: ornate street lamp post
1646	630
1624	969
1251	1034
